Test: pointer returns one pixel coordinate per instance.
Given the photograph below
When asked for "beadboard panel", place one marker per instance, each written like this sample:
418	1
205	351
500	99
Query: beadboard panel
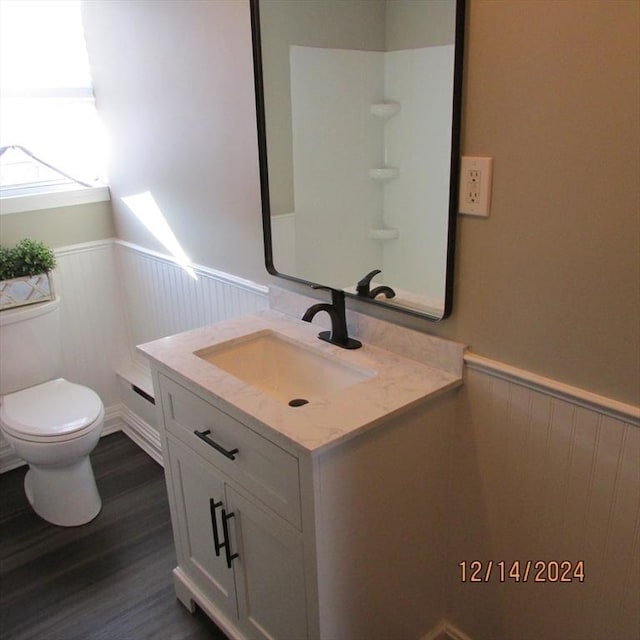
92	315
540	477
162	298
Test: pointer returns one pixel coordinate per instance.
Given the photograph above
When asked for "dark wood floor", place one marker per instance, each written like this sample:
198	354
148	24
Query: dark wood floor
107	580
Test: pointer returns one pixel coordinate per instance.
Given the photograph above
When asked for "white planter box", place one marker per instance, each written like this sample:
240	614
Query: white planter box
25	290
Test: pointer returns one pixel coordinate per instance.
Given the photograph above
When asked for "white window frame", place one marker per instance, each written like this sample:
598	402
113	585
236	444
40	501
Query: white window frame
41	199
34	196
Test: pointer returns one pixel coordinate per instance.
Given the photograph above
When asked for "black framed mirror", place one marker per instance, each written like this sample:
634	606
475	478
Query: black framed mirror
358	112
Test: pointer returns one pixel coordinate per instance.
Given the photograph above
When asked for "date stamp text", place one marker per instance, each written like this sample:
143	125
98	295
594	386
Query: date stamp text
522	571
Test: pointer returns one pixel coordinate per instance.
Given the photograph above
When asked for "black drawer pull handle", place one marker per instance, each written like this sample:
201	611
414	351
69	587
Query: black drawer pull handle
216	536
227	548
220	449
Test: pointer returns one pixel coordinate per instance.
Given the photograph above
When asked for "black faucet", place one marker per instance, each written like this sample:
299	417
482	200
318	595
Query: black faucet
336	310
363	287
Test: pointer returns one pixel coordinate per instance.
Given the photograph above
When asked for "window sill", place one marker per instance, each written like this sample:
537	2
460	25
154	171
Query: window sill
53	199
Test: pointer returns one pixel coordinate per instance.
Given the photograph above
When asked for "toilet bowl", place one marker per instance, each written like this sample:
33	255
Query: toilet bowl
53	425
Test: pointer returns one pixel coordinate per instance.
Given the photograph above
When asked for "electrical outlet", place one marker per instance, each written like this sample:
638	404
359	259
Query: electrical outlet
475	186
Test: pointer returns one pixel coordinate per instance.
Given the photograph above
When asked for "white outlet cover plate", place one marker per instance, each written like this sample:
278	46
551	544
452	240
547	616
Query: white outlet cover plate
481	203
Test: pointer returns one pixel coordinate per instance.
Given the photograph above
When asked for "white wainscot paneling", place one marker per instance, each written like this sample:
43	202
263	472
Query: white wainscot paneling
544	472
163	298
93	325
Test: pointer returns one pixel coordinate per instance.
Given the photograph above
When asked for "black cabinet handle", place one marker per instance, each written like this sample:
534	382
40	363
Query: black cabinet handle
219	448
227	549
213	505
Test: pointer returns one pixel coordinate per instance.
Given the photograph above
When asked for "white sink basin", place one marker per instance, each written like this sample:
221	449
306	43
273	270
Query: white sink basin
283	368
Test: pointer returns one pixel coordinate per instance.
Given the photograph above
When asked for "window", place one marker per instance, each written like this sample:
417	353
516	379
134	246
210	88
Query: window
49	130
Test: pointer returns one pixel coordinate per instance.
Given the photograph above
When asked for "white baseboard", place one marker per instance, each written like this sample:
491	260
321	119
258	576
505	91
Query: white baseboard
116	418
143	434
112	420
8	459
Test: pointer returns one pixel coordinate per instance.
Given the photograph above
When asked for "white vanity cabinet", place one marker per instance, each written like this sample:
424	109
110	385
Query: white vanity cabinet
196	489
322	521
239	555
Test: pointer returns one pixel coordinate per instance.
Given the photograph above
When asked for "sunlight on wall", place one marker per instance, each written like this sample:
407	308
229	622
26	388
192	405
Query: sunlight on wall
146	209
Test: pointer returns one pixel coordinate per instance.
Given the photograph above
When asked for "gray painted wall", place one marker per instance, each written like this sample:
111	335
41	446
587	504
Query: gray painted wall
60	226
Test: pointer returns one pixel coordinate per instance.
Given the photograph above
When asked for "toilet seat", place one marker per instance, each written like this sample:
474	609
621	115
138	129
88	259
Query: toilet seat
54	411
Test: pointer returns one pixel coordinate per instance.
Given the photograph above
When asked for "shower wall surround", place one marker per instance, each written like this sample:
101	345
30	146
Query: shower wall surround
355	203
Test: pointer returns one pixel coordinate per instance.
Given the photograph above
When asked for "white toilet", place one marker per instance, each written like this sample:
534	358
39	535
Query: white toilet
52	424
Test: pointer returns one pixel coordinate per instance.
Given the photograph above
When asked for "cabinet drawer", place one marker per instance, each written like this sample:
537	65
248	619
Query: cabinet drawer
263	468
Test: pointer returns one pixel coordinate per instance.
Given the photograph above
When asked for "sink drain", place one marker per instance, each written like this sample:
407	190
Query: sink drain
298	402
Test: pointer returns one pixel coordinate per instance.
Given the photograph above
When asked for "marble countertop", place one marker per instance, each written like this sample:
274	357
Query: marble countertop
399	384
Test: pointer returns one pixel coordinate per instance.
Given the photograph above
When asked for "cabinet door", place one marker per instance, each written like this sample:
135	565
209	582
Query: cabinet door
197	488
269	571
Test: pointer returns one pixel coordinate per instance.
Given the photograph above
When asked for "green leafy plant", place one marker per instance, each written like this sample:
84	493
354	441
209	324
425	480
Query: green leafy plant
27	258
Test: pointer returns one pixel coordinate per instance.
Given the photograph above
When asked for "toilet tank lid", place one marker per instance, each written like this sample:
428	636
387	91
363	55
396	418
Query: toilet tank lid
52	409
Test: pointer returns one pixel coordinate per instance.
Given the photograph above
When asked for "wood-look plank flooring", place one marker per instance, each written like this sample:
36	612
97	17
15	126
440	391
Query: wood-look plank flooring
107	580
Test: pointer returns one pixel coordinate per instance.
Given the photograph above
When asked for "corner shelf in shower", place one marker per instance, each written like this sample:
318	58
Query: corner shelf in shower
385	110
382	235
384	174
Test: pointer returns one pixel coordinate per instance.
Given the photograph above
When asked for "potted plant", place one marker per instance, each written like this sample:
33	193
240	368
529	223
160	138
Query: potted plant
25	276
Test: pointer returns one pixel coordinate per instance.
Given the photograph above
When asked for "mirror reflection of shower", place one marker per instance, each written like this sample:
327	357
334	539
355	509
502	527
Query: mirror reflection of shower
359	143
371	178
